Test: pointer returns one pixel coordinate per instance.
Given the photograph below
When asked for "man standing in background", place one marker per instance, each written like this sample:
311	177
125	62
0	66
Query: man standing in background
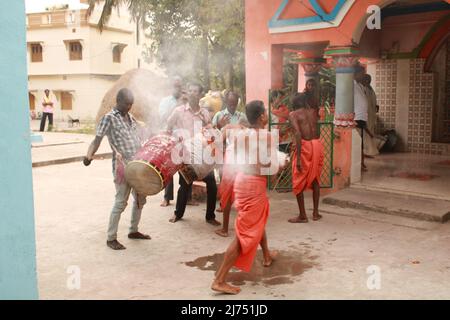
166	107
229	115
48	105
361	108
373	142
183	119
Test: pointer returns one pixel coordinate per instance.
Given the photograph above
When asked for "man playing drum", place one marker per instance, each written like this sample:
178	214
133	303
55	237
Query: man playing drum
183	119
166	107
122	132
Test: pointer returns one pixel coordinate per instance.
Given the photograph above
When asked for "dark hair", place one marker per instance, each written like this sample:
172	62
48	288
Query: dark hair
359	68
276	93
254	110
311	80
368	77
231	92
198	85
298	101
124	97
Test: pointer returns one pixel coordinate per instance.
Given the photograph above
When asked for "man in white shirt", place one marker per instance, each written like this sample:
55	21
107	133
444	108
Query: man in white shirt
374	144
169	103
166	107
361	103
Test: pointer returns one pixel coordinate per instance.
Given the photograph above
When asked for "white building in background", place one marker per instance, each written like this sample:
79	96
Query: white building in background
68	55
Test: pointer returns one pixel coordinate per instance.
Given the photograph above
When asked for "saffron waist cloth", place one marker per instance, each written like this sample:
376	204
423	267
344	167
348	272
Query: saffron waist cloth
229	171
252	205
311	158
226	192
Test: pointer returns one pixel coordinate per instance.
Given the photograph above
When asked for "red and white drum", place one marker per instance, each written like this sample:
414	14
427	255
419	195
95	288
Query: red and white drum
152	167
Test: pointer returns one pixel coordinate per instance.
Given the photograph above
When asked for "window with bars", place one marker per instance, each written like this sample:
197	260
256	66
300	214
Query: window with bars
36	52
75	51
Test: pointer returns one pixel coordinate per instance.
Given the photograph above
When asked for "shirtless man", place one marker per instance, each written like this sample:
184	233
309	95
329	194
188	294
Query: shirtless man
308	158
252	204
226	193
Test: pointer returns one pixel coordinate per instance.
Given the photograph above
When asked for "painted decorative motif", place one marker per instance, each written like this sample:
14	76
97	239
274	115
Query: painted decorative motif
344	61
321	20
345	120
311	69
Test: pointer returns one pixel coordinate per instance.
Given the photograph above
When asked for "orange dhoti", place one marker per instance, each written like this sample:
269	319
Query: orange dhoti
311	165
252	204
226	193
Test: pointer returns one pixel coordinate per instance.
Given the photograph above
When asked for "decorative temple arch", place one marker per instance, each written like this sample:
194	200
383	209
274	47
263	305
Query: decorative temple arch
430	38
433	41
320	20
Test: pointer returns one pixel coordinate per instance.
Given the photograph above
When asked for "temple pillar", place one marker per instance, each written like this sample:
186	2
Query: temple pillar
344	60
347	146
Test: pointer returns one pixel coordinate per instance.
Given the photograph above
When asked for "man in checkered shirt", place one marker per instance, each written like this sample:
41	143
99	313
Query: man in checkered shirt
122	132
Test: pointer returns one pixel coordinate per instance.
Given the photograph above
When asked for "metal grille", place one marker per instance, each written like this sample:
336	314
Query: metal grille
326	130
283	183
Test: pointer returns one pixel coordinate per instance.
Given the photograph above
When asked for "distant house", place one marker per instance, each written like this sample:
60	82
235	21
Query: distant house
68	55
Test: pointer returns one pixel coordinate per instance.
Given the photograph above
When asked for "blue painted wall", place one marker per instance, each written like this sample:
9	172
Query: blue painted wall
17	237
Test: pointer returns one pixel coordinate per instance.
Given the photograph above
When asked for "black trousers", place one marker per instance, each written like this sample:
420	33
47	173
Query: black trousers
168	192
361	124
44	118
183	195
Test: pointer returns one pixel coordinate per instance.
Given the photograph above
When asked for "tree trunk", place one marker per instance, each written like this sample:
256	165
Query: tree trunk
205	49
230	72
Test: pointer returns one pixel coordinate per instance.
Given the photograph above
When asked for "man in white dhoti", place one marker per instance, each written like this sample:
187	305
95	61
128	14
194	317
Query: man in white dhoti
373	143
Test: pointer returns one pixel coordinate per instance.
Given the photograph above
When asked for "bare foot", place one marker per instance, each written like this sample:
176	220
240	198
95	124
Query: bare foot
221	233
219	210
317	217
165	203
298	220
225	288
272	258
174	219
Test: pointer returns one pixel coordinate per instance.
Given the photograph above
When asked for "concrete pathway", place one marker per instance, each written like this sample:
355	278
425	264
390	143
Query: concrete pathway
57	148
335	258
409	173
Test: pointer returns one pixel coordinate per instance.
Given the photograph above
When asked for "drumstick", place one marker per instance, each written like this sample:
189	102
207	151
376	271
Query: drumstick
87	162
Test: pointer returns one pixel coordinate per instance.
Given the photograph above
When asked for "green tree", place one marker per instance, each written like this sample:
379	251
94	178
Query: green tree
200	40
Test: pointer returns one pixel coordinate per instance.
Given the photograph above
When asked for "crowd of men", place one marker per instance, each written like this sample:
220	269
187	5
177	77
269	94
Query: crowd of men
245	187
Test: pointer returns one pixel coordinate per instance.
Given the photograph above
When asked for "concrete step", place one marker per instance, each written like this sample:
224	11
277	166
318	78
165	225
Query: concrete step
410	206
400	192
